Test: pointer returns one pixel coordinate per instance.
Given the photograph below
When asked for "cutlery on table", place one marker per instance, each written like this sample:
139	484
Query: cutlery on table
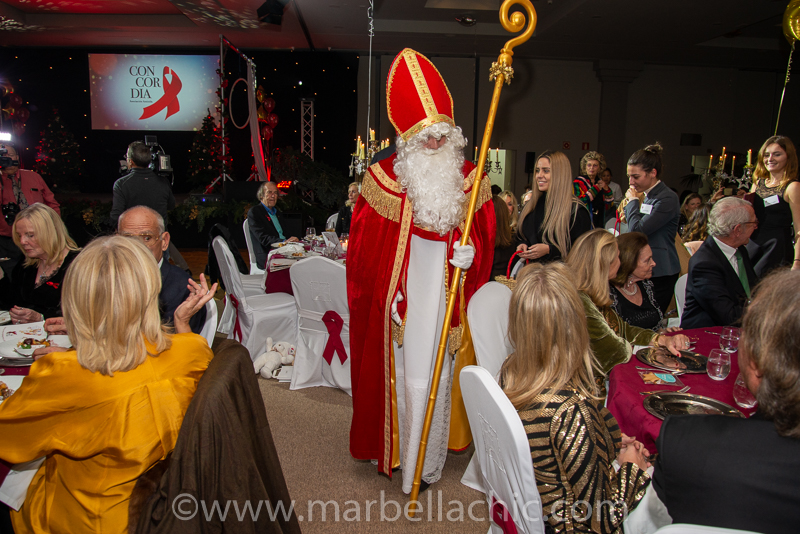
682	390
656	370
710	332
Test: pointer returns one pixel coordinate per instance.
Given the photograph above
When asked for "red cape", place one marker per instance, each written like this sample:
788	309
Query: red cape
377	261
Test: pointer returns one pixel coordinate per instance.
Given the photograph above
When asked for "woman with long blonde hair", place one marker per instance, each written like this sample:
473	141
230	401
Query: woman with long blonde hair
573	437
593	261
553	218
513	207
777	201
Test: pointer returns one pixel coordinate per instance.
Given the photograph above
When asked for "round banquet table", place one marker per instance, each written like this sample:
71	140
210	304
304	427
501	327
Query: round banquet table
280	281
626	403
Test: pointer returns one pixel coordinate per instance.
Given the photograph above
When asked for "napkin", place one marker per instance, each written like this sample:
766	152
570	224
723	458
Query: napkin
15	487
289	249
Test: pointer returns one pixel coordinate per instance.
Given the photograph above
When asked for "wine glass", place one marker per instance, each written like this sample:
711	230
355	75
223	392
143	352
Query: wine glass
742	395
311	233
729	340
719	364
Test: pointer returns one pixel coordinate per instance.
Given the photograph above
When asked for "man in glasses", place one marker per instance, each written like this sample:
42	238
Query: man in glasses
147	225
265	222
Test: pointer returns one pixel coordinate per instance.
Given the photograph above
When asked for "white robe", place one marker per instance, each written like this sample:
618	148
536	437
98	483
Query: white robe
414	362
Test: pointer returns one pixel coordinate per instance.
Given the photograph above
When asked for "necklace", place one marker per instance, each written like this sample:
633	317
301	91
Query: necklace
630	293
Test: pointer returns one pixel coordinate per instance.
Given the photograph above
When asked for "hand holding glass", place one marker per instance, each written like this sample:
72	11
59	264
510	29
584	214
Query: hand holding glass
719	364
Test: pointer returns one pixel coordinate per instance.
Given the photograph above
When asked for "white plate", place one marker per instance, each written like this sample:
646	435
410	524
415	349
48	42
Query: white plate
12	381
5	317
10	350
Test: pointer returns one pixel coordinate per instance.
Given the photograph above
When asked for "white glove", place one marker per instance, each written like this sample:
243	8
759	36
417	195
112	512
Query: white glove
462	256
396	316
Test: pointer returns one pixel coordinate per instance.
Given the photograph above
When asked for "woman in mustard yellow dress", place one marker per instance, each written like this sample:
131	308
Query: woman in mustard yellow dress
105	411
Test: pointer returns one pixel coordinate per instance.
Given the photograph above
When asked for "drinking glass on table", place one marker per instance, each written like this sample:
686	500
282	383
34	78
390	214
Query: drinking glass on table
729	340
311	233
742	395
719	364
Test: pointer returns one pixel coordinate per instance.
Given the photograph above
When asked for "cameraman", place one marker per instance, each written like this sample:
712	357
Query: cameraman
18	189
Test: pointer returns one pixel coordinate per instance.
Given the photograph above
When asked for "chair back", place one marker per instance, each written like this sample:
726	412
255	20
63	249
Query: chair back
503	453
332	220
320	292
617	229
487	314
680	293
254	268
210	326
227	267
686	528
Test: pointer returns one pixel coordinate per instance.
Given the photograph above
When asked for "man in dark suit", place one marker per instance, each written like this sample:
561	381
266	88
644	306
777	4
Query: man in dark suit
737	473
147	225
265	223
721	275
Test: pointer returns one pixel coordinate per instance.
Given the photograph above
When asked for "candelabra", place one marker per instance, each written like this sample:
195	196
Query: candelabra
488	166
360	160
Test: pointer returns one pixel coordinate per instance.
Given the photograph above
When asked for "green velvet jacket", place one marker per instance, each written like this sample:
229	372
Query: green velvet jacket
611	337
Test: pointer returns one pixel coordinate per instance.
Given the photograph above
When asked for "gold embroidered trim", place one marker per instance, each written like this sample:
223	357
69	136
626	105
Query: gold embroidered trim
454	339
388	401
424	123
420	84
398	331
485	193
385	180
383	202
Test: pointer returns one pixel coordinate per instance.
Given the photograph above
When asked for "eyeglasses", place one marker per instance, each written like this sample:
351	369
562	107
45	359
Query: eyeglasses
750	222
145	238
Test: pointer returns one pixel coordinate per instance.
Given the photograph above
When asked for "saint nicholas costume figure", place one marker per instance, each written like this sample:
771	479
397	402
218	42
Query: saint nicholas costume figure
404	244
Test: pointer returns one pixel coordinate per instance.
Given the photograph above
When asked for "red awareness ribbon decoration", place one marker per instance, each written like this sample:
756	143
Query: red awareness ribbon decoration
170	98
53	284
334	323
502	517
237	328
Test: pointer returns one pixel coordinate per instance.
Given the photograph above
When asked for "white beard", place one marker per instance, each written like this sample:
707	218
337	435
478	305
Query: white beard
433	179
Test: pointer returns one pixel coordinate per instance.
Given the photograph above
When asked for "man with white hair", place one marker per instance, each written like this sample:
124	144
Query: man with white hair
721	275
404	239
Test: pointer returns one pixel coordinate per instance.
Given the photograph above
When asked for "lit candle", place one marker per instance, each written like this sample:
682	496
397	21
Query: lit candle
724	160
733	164
497	155
371	134
358	144
476	154
710	160
749	156
723	152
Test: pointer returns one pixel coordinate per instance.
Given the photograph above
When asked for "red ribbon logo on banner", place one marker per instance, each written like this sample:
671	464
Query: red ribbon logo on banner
170	98
334	323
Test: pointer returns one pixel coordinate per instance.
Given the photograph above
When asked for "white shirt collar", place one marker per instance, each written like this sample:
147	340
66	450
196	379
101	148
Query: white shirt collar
160	262
728	250
651	188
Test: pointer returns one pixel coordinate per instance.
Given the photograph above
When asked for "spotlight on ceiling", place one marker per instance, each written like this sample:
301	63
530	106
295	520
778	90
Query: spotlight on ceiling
467	20
271	11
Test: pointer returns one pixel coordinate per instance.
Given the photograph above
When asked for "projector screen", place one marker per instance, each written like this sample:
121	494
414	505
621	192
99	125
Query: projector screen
147	92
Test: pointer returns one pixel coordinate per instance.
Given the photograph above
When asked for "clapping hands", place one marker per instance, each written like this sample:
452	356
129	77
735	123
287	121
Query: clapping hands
199	294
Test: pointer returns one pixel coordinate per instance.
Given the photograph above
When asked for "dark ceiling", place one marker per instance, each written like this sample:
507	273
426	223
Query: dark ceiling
735	33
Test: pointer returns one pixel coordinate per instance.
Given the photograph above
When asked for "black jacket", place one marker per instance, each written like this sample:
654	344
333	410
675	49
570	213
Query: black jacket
262	232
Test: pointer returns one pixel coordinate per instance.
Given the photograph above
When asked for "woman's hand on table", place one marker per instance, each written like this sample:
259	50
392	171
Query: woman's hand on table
674	343
55	326
670	329
199	294
24	315
292	240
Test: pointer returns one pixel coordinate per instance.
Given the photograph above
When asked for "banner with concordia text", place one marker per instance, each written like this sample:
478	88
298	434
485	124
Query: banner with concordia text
149	92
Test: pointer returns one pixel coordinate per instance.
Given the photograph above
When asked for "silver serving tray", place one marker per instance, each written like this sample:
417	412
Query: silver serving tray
666	403
661	358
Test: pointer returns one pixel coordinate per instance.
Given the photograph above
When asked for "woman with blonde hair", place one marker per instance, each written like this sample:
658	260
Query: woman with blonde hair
590	189
690	204
573	437
346	213
777	201
33	293
103	412
553	218
593	261
513	207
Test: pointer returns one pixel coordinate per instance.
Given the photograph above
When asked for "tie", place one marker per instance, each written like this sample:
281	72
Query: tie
742	273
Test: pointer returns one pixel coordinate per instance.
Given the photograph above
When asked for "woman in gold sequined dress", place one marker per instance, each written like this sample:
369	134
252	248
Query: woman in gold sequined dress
573	438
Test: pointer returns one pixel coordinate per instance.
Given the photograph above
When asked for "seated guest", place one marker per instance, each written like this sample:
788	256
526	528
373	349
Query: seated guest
346	213
33	292
743	473
690	204
632	294
513	207
720	272
105	411
147	225
696	230
573	438
265	223
593	261
503	239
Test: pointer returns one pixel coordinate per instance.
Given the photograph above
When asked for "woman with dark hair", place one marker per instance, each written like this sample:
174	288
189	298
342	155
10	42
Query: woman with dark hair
696	231
691	203
777	201
573	438
632	294
656	216
503	239
553	218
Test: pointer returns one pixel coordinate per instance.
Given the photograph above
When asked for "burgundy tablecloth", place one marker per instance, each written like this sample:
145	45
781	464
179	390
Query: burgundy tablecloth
625	385
23	371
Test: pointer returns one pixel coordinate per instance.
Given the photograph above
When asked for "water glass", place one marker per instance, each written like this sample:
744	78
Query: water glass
719	364
729	340
742	395
311	233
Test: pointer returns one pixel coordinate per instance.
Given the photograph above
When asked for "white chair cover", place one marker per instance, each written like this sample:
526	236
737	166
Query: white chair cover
256	317
320	286
621	229
487	314
254	268
503	453
332	220
210	326
680	293
685	528
254	285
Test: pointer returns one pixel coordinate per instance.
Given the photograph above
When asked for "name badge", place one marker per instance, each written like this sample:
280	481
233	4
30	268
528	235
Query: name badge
769	201
647	209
